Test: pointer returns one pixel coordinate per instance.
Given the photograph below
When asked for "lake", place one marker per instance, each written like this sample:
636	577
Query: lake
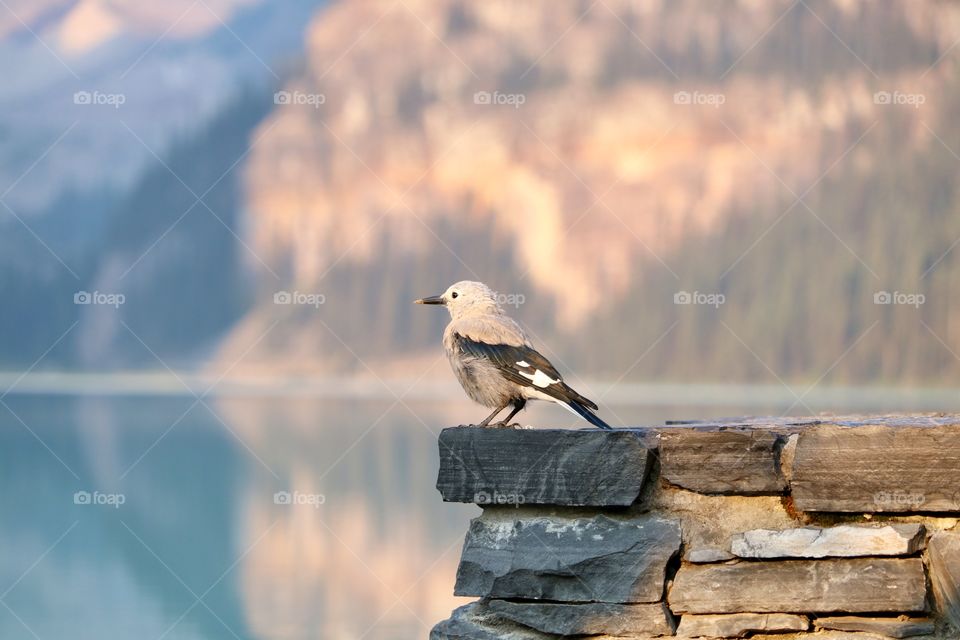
270	516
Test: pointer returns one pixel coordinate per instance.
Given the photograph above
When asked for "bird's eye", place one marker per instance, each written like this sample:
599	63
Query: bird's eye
454	294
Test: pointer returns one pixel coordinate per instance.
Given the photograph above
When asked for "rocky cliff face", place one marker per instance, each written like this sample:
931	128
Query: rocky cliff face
591	160
567	150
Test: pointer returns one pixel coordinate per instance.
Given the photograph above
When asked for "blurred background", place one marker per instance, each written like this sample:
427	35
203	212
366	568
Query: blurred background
218	408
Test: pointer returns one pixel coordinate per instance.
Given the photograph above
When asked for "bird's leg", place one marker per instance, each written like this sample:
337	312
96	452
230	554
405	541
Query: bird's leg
493	415
517	406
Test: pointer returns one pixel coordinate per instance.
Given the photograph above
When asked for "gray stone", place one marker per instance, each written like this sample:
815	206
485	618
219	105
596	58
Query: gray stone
841	541
856	585
877	468
708	554
944	554
475	622
542	466
902	627
738	625
592	618
726	460
597	559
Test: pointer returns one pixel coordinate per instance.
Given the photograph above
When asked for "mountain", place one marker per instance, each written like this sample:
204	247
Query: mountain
598	159
100	101
159	71
786	167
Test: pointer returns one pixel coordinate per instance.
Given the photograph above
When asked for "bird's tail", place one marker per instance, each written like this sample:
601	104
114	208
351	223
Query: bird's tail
588	415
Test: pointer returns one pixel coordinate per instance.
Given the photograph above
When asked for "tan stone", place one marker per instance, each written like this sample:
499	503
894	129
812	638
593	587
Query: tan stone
738	625
877	468
856	585
944	554
902	627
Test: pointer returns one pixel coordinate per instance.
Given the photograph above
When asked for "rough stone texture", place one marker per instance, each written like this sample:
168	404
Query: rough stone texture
475	622
856	585
841	541
542	466
708	554
500	556
902	627
588	618
597	559
877	468
944	554
727	460
738	625
831	635
709	521
787	455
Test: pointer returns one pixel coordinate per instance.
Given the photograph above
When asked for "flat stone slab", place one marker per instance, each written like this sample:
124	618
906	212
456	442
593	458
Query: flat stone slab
877	468
855	585
902	627
708	554
597	559
730	460
738	625
825	634
591	618
478	621
944	553
841	541
542	466
475	622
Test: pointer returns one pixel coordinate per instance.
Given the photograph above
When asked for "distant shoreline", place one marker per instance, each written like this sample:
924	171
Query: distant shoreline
161	383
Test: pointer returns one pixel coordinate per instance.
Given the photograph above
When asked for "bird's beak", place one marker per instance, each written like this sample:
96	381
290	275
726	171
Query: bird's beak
431	300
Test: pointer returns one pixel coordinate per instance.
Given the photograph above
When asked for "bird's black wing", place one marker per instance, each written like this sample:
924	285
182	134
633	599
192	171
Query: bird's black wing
524	366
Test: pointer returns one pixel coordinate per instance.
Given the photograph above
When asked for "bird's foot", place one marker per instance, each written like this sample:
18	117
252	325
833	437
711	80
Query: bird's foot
504	425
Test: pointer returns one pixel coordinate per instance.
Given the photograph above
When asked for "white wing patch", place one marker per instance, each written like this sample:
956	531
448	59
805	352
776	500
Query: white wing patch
523	363
539	379
540	395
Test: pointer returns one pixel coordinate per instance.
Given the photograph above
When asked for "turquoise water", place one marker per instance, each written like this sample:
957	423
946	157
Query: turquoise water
270	517
179	536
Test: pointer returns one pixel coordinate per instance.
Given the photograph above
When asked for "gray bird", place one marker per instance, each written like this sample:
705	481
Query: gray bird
493	358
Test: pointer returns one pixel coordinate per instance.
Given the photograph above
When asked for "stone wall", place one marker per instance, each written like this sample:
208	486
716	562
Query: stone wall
841	529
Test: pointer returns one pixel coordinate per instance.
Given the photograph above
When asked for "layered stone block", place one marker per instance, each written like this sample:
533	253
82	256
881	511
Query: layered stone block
857	585
530	466
599	559
877	468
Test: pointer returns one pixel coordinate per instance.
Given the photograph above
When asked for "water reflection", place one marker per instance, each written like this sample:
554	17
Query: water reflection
199	548
80	570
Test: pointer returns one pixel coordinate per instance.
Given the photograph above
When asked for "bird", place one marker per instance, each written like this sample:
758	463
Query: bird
494	361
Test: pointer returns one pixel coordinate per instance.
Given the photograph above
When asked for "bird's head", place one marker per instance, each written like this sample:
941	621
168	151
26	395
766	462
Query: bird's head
466	298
